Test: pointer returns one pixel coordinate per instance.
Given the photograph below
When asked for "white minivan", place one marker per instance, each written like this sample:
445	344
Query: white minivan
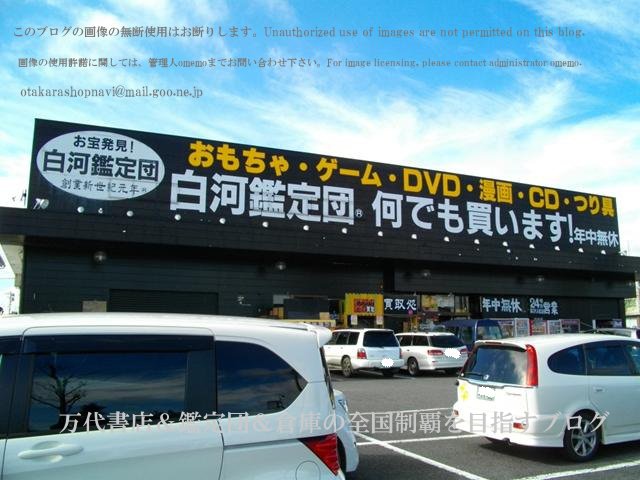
574	391
164	396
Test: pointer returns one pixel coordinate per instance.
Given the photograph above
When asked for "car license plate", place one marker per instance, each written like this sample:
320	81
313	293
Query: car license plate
486	393
386	363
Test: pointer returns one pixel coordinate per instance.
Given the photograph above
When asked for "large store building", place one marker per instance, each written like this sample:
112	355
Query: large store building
123	220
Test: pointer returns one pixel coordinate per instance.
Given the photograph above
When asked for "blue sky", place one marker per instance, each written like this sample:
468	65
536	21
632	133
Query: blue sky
570	128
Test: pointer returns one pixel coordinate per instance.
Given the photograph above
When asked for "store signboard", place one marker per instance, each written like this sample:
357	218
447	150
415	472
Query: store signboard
545	307
363	304
110	171
400	304
510	307
502	306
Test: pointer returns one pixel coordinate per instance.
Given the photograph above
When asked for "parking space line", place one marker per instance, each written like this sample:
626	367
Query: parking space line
420	458
414	440
406	411
585	471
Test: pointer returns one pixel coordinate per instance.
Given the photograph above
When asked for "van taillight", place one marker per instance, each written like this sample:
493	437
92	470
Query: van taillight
362	354
326	449
532	367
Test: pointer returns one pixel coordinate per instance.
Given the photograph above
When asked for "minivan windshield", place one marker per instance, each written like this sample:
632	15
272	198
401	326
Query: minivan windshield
489	332
446	341
383	338
497	364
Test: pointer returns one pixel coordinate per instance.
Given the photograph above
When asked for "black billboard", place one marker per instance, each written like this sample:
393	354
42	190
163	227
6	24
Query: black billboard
93	170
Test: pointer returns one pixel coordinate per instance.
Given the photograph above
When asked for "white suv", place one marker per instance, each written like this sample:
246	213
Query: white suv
432	351
161	396
575	391
355	349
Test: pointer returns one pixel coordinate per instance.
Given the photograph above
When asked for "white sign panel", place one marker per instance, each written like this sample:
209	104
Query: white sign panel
100	165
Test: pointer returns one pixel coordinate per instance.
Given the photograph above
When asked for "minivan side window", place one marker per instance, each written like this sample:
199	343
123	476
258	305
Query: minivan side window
607	359
634	352
104	388
8	361
87	382
466	334
252	379
569	361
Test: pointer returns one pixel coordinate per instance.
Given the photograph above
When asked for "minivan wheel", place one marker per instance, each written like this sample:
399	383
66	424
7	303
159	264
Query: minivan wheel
347	369
412	367
581	443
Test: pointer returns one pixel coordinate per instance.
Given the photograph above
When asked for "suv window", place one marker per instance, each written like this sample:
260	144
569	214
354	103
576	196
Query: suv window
382	338
404	340
497	364
421	341
607	359
342	338
254	380
569	361
353	338
446	341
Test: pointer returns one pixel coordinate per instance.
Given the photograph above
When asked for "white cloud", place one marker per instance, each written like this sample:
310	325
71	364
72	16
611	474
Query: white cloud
613	17
280	10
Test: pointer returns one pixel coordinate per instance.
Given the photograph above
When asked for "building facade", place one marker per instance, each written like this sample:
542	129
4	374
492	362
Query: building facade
128	220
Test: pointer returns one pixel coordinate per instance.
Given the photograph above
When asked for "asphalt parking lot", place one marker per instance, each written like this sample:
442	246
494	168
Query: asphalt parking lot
403	427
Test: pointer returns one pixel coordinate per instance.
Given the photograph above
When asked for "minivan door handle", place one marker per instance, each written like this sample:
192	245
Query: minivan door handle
61	449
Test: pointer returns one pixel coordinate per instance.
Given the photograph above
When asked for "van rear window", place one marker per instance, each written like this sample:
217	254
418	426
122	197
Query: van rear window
497	364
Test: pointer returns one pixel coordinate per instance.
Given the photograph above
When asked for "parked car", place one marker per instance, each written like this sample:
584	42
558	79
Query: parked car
432	351
352	350
623	332
575	391
470	330
161	396
347	448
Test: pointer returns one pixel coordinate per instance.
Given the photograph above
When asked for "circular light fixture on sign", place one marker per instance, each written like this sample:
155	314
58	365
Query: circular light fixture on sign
100	257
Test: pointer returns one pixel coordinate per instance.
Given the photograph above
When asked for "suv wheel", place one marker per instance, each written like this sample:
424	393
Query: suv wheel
347	369
412	367
582	442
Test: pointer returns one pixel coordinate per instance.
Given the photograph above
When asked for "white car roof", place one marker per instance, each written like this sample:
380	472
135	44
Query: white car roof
553	341
428	334
15	325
